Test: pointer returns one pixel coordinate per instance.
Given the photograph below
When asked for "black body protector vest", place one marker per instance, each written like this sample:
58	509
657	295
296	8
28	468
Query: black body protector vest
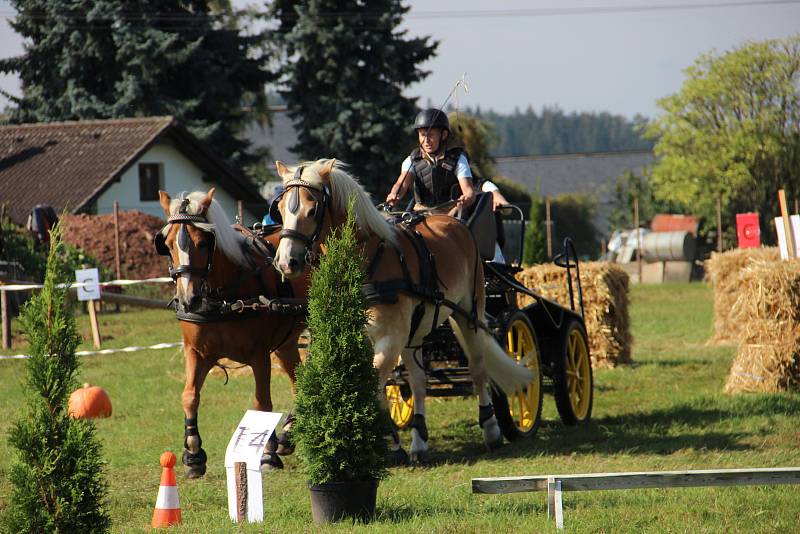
434	184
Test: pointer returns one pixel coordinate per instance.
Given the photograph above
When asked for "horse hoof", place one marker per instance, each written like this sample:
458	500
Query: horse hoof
419	457
396	458
271	461
285	445
494	445
194	464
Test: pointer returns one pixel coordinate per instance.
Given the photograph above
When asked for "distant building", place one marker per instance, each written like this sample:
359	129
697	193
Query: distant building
591	172
84	166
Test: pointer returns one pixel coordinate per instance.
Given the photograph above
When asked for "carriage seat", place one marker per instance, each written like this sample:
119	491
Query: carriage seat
479	218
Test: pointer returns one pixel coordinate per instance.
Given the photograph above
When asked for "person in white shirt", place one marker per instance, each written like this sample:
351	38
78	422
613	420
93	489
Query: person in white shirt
438	173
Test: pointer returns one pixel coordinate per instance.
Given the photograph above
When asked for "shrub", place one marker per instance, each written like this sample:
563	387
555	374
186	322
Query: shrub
340	428
56	477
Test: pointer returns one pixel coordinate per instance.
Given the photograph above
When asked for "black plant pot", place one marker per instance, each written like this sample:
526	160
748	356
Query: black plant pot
335	501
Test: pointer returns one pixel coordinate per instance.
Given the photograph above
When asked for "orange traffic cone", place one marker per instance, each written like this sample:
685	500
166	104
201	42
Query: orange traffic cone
168	509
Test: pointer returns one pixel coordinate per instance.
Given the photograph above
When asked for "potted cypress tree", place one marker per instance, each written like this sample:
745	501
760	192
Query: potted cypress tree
339	428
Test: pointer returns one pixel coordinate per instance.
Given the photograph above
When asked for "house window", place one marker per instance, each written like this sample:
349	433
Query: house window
150	180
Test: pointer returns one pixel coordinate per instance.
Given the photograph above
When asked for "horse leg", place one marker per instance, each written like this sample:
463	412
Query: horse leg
194	457
473	341
419	429
262	371
387	349
289	357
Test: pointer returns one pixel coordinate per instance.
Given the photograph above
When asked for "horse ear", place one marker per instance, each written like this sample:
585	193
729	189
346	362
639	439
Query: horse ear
163	199
282	169
325	173
206	202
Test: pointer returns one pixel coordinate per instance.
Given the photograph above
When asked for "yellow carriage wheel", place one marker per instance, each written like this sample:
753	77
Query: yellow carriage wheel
401	408
574	388
520	414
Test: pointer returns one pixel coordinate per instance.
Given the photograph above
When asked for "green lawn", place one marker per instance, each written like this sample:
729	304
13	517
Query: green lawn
666	411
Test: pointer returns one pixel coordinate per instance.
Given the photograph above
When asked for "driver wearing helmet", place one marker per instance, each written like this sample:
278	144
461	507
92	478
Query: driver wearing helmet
438	173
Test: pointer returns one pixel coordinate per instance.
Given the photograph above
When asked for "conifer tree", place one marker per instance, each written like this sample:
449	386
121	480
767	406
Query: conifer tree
535	250
340	428
56	477
346	67
97	59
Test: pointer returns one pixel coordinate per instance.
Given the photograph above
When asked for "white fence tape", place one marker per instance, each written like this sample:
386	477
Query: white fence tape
103	351
27	287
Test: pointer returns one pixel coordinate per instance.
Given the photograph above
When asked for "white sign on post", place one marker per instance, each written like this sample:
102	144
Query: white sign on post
91	280
247	445
794	220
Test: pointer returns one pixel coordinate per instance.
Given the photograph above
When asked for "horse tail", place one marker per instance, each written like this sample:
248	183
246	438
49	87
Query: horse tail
479	345
503	370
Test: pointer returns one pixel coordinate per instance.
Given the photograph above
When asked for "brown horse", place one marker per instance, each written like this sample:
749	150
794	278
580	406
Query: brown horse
230	303
314	202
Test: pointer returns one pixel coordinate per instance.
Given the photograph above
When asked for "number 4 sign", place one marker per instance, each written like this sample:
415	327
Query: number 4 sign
243	465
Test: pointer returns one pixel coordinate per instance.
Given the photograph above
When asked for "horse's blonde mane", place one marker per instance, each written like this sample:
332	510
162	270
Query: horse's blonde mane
228	240
342	186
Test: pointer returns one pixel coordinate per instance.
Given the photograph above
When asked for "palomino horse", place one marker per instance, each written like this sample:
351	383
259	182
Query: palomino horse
315	201
231	303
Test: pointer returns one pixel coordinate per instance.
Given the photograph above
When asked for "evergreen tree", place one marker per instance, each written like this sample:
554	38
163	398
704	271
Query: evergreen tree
57	479
535	249
476	136
340	428
347	65
554	132
96	59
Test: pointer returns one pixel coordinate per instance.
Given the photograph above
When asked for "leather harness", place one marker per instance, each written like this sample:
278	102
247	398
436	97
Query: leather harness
214	305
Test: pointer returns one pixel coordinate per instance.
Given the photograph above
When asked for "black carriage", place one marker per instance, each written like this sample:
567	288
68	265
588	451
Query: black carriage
546	337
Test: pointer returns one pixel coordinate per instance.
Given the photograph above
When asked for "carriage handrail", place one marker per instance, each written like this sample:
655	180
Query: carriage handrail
565	260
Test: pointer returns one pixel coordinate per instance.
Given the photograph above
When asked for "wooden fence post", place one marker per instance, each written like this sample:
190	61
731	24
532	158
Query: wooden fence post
5	311
719	224
548	223
116	240
638	236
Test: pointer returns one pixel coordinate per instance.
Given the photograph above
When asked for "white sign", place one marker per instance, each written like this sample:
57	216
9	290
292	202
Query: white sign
91	280
247	445
779	228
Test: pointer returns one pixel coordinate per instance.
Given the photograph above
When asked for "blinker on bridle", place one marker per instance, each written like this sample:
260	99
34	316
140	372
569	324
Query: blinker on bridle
183	241
292	188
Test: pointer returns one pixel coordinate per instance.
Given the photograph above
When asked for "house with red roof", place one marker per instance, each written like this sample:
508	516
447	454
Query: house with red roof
85	166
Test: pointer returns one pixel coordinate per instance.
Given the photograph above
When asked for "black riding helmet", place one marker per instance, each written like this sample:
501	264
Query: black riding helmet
431	118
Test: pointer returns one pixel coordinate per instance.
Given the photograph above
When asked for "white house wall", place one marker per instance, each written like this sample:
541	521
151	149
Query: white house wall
179	174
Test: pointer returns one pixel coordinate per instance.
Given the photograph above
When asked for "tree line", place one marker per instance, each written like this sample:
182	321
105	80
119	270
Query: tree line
552	131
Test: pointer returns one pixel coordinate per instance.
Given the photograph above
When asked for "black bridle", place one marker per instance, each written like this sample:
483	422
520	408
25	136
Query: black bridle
184	219
322	200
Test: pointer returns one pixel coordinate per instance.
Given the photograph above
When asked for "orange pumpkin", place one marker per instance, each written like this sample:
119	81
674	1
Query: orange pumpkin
89	402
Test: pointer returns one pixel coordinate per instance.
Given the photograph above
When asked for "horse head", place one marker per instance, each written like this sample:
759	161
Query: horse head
189	240
302	208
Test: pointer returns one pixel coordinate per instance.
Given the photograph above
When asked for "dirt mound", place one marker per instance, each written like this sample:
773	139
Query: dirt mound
94	234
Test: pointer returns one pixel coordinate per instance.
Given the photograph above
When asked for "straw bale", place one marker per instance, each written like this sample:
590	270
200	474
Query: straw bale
767	308
605	300
722	272
765	368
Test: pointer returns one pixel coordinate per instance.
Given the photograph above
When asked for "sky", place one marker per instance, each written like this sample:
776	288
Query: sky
619	56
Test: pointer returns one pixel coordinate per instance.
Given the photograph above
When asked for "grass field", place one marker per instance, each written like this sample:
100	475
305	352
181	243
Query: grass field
664	412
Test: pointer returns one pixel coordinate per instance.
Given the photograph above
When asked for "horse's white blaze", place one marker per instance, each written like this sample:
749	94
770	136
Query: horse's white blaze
183	259
288	248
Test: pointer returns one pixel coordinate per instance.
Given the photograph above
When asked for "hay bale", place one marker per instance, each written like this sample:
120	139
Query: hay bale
764	368
722	271
767	310
605	300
